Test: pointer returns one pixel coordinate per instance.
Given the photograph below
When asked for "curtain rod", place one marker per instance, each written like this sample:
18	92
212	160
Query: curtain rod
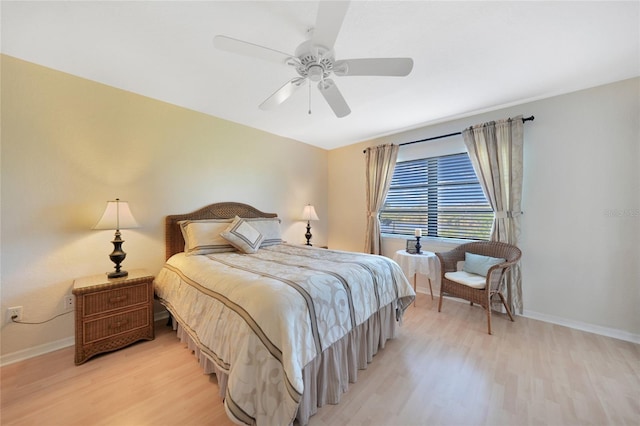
524	119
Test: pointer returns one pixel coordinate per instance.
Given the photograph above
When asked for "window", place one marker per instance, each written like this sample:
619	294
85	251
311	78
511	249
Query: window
441	196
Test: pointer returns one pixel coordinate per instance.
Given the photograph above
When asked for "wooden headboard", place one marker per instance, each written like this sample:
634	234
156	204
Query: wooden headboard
174	242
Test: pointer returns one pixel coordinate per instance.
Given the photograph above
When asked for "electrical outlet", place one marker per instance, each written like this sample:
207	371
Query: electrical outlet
16	312
69	302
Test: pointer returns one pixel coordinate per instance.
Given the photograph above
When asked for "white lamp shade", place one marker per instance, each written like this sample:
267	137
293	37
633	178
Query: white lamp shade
117	215
309	213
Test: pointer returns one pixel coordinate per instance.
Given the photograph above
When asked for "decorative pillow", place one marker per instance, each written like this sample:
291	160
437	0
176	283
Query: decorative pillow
269	228
478	264
243	236
203	236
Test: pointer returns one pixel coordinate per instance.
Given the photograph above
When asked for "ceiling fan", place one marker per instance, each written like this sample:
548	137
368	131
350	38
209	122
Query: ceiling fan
314	60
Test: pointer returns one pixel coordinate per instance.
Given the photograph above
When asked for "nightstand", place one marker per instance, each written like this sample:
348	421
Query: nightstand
112	313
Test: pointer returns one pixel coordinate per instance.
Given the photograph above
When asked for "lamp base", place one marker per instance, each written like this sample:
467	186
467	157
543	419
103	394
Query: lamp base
308	234
117	274
117	256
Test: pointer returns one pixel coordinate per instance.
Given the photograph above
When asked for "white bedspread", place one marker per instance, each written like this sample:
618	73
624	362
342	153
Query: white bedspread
270	313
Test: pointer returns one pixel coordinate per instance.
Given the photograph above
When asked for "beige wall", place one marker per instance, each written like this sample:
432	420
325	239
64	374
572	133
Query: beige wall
581	224
69	145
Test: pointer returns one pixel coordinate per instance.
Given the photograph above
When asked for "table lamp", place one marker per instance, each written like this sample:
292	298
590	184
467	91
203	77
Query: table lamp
117	215
309	214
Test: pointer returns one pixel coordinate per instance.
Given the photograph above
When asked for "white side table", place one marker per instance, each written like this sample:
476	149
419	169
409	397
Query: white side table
425	263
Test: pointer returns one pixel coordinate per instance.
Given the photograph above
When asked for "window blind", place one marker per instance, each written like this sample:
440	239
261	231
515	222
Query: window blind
441	196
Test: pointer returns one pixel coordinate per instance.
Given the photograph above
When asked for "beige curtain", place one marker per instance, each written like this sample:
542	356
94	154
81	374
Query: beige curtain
495	150
380	163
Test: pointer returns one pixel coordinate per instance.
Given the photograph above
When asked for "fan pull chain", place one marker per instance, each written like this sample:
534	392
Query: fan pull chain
309	97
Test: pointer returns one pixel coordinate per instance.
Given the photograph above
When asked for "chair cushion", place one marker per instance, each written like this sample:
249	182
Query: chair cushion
465	278
478	264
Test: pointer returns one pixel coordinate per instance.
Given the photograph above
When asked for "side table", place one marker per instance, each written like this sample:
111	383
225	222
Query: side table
425	263
112	313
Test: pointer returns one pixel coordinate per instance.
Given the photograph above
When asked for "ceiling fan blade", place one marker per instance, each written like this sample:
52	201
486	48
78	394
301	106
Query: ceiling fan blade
249	49
282	94
391	67
334	98
328	22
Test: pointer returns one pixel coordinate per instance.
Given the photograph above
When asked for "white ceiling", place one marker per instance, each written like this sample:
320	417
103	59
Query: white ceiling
469	56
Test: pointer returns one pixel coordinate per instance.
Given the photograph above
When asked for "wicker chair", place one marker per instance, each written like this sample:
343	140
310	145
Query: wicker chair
483	289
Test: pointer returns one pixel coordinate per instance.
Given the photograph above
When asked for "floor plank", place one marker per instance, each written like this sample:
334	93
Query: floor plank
442	369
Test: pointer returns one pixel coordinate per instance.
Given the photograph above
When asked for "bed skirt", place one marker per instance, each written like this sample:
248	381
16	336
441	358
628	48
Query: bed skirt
327	376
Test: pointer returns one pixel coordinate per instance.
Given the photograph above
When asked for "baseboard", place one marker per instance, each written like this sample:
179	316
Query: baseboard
604	331
161	315
578	325
36	350
54	346
590	328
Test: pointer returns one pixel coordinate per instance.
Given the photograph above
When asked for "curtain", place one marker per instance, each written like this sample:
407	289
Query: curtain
495	150
380	163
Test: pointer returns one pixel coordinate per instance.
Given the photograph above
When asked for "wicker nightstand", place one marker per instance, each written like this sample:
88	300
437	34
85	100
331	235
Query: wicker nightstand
112	313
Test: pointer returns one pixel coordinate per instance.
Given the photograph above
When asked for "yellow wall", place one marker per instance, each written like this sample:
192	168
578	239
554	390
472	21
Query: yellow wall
69	145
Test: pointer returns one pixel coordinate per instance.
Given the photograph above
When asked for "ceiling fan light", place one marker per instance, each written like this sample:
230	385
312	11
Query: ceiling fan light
325	84
315	72
341	68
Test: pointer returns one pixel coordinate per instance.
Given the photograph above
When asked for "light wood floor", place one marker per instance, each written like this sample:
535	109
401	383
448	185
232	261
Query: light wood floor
443	369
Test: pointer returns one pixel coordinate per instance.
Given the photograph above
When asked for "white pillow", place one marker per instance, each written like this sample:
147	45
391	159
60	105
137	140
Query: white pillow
203	236
269	228
243	236
478	264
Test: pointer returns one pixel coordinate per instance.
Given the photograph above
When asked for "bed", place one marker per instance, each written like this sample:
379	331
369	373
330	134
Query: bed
284	327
